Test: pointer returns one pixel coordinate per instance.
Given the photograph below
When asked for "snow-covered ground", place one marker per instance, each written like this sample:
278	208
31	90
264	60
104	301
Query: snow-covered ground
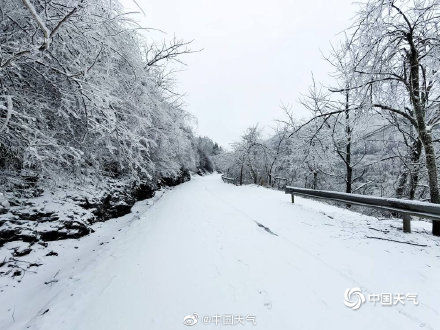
244	253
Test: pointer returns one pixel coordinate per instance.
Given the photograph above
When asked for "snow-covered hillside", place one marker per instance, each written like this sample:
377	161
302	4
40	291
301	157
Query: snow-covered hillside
241	253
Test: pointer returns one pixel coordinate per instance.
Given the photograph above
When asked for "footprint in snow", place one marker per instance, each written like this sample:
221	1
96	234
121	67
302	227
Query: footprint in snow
266	299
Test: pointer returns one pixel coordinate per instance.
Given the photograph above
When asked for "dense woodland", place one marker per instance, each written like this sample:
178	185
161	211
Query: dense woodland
374	129
83	93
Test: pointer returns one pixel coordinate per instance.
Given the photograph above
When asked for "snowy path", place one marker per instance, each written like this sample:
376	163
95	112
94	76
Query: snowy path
199	249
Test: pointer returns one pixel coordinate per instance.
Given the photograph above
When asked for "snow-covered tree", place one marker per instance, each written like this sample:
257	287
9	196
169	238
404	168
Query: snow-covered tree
88	94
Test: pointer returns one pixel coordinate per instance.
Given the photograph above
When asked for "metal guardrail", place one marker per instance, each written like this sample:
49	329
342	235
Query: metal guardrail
229	180
405	208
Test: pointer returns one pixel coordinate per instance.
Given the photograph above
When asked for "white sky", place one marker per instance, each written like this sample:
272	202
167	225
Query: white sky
257	55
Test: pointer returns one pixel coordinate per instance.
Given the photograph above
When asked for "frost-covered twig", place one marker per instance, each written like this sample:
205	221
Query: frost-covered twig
48	35
38	19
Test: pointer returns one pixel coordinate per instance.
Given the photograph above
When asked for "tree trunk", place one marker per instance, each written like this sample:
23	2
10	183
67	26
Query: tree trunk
401	183
402	191
253	174
415	168
432	176
349	169
424	133
412	171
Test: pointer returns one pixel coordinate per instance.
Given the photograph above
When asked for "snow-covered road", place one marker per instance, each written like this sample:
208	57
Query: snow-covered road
199	249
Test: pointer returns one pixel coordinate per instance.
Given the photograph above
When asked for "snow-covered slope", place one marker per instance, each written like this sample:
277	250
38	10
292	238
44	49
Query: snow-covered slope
210	248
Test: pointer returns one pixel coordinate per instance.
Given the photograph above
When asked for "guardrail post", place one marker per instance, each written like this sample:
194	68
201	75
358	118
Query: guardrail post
406	223
293	198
